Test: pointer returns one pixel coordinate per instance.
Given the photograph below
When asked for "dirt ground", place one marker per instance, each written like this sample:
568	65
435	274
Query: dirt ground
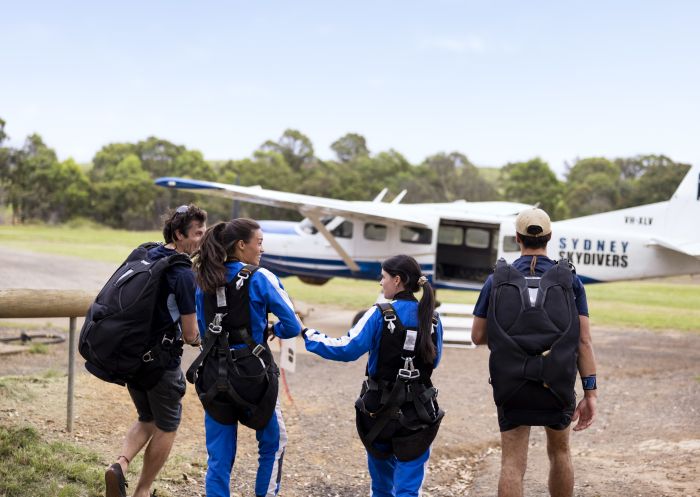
644	442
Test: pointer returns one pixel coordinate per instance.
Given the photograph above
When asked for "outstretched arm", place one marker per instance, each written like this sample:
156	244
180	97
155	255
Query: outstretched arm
349	347
586	409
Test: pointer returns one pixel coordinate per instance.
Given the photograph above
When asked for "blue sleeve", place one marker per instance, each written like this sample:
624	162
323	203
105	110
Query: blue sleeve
184	291
199	300
359	340
439	344
580	294
481	308
278	303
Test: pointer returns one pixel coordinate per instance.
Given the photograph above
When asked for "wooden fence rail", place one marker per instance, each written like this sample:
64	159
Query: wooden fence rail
34	303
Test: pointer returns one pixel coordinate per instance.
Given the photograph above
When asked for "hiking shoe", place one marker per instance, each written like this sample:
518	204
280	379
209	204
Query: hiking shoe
115	481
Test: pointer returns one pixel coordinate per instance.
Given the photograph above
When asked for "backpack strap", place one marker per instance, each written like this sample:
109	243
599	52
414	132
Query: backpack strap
391	319
246	272
213	336
241	280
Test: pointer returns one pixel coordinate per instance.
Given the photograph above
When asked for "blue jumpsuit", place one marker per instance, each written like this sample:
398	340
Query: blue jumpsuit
265	292
390	477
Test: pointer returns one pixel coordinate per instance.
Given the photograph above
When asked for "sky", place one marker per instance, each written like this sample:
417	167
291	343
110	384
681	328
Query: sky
500	81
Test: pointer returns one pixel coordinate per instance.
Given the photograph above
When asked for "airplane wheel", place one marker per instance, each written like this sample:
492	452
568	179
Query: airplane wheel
358	316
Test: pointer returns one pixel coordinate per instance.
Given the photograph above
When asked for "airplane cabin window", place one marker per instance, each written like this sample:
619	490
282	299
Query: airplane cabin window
343	231
510	245
375	232
451	235
308	227
412	234
477	238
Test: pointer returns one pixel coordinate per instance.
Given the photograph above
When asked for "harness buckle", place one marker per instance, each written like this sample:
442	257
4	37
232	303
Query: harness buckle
258	350
390	318
408	372
167	341
215	325
148	357
243	275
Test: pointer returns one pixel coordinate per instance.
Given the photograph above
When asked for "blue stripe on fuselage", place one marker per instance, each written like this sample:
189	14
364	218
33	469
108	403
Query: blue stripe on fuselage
279	227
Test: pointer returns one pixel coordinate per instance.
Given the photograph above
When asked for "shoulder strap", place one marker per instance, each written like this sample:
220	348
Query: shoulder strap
246	272
391	319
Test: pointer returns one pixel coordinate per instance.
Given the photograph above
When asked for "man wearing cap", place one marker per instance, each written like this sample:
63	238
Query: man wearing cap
533	232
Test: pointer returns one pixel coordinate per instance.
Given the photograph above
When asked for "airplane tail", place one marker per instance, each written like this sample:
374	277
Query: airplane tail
680	231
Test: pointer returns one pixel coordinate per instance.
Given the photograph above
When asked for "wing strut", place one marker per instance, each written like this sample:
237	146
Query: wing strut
331	239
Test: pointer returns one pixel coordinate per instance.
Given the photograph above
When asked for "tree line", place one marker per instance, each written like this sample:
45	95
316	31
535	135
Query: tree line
117	189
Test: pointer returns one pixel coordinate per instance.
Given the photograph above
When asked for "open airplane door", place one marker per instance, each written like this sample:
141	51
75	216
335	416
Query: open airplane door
466	252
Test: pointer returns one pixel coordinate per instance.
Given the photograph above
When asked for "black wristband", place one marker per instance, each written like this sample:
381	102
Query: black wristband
589	382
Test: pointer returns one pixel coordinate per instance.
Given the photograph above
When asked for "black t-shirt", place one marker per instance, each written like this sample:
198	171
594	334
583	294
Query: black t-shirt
177	295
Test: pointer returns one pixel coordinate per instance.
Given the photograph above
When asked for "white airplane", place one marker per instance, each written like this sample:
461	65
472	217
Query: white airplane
458	243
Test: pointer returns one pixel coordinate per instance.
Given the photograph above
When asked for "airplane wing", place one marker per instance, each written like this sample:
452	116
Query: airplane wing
691	249
308	205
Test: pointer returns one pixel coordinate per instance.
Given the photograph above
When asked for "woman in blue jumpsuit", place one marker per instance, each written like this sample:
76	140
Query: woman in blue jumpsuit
401	278
225	249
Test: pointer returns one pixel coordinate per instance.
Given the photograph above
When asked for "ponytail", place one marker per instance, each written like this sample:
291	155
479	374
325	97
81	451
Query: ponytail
208	265
407	268
217	248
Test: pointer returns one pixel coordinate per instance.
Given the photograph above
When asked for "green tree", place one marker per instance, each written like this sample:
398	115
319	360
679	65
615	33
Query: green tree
125	195
648	178
533	182
156	157
267	169
27	170
658	182
350	147
448	177
62	192
593	185
4	162
295	147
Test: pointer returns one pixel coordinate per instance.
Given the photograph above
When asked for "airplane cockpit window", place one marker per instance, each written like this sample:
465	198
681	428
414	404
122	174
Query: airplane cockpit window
412	234
376	232
344	230
451	235
510	245
478	238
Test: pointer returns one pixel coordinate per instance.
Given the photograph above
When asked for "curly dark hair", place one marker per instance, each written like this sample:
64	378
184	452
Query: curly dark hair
180	219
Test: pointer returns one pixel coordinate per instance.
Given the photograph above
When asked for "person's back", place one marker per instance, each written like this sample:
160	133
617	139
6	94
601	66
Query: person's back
397	414
522	366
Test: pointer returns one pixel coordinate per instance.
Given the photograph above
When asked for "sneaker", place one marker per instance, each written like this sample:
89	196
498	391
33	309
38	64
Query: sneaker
115	481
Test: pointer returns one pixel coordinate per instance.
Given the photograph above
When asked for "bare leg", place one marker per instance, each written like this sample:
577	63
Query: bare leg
514	445
138	435
561	470
154	458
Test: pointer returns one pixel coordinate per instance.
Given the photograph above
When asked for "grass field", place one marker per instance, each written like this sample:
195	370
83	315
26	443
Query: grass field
656	305
87	242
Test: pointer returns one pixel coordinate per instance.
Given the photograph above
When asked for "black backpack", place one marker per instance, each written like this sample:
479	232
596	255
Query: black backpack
533	335
117	340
